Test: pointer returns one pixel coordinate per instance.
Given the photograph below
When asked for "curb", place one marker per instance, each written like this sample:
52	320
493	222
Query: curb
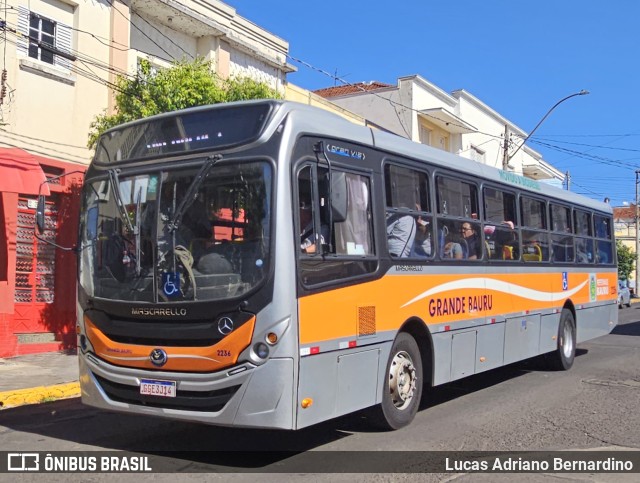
37	395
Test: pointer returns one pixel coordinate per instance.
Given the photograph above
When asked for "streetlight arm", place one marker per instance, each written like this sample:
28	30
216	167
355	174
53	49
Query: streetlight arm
581	93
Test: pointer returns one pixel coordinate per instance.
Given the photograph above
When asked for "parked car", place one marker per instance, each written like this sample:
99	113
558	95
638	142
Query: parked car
624	296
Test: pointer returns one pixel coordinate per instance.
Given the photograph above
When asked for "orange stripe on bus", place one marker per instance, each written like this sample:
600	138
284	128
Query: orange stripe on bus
334	314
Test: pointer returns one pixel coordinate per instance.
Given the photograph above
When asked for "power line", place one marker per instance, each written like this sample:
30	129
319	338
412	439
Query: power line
110	2
161	33
16	137
584	135
94	77
109	42
612	162
540	139
573	183
13	30
91	75
42	140
84	59
333	77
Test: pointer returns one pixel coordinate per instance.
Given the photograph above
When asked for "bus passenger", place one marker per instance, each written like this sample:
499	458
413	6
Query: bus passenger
401	231
307	235
583	255
453	250
422	243
473	241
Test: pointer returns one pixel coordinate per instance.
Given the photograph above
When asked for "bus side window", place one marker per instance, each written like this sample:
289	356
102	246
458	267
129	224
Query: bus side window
408	215
354	235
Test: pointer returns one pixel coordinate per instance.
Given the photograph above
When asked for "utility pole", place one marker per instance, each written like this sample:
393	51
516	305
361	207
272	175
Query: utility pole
505	154
567	176
637	280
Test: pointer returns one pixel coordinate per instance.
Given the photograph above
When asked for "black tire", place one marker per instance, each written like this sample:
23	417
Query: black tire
402	387
562	358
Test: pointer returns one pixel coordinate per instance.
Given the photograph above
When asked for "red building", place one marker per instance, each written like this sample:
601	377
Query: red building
37	281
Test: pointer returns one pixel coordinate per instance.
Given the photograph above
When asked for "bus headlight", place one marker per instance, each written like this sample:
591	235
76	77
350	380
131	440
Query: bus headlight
261	350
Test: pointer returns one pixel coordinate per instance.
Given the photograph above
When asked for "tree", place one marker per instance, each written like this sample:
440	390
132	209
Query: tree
626	260
185	84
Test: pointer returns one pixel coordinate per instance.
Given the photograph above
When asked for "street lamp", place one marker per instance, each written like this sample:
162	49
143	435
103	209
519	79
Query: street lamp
508	157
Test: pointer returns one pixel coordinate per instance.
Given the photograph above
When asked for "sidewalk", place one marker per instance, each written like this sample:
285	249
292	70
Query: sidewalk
38	378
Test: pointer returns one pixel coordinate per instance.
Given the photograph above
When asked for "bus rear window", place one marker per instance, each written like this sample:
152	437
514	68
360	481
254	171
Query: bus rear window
185	131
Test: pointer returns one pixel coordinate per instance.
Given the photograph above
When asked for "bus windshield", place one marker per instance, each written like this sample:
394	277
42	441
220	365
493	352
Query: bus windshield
135	248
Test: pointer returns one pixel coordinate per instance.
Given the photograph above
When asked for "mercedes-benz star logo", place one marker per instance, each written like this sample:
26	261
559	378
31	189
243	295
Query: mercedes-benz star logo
158	357
225	325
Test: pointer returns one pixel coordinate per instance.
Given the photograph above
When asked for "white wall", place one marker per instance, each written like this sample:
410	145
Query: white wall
414	94
49	109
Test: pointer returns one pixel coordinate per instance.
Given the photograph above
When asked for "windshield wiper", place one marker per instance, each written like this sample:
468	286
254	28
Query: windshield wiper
190	195
136	231
115	186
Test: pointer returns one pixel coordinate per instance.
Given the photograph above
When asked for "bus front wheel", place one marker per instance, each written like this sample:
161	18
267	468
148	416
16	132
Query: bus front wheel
402	385
562	358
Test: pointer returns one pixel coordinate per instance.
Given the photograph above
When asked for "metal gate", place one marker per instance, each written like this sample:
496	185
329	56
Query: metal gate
35	263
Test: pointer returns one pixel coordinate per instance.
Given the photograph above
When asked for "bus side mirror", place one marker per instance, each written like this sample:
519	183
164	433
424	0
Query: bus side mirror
338	196
40	214
40	208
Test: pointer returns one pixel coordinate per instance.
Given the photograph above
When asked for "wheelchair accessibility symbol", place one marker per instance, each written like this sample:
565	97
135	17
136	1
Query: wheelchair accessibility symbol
171	283
565	281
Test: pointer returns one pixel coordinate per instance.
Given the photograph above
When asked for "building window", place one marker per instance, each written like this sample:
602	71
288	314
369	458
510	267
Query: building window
38	33
42	32
408	217
425	135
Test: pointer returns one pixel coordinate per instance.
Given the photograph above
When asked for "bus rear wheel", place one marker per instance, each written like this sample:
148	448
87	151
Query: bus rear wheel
402	385
562	358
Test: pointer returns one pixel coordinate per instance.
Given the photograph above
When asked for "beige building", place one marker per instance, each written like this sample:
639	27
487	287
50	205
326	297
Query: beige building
298	94
60	59
52	95
456	122
624	223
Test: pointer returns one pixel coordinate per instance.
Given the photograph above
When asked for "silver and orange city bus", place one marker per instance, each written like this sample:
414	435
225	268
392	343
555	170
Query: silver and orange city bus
269	264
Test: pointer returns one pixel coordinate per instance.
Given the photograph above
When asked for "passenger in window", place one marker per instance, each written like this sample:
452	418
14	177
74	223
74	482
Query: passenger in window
307	234
604	252
509	240
422	243
502	240
473	241
581	252
453	250
401	232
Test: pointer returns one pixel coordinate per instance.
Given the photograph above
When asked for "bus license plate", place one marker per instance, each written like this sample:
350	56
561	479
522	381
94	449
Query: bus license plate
151	387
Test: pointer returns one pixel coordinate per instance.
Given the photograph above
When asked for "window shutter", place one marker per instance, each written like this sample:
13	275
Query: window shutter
23	31
63	43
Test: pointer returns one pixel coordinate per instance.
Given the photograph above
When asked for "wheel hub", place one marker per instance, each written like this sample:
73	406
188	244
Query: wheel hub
402	380
567	341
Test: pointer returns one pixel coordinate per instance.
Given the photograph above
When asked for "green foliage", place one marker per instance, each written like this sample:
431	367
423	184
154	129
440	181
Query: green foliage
245	88
185	84
626	260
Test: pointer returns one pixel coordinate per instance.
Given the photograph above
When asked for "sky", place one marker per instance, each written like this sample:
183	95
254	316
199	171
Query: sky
518	57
